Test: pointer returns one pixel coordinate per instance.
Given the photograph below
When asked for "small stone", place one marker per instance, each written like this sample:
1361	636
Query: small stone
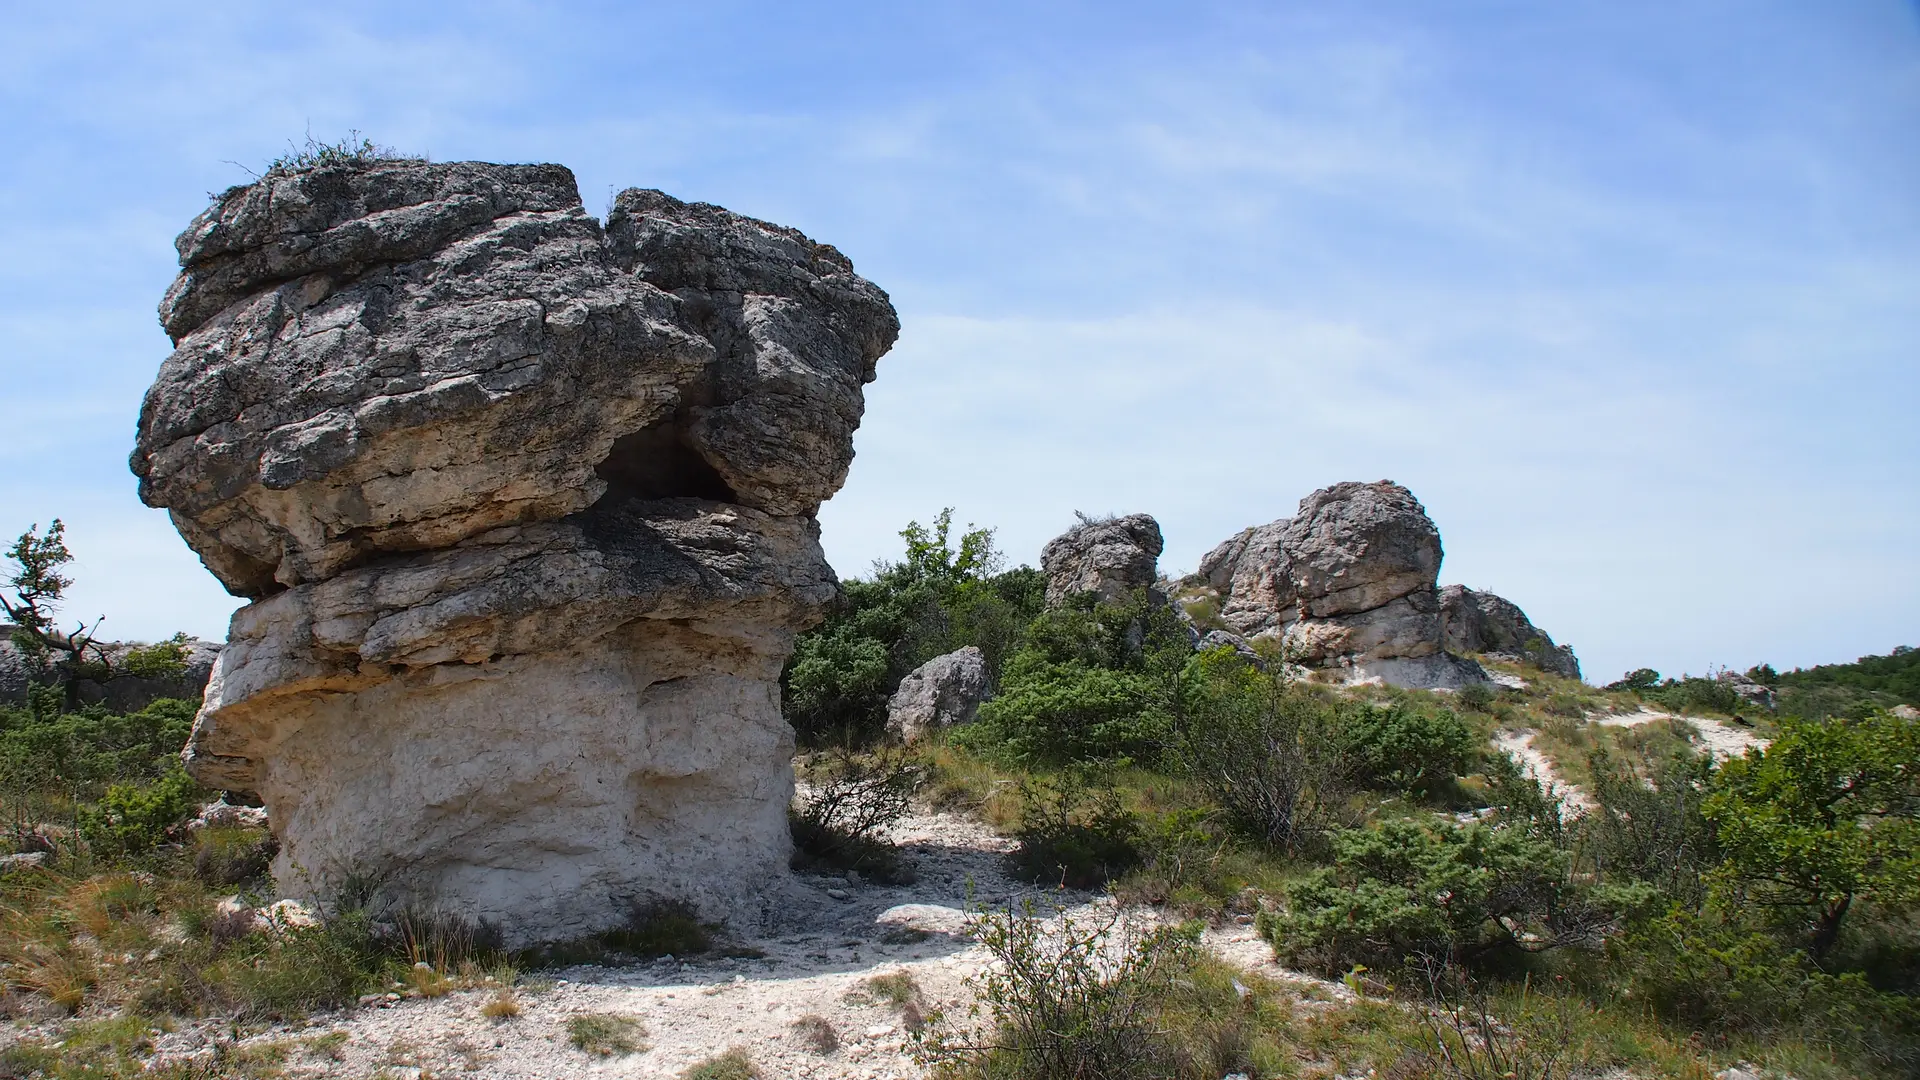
26	860
838	894
879	1031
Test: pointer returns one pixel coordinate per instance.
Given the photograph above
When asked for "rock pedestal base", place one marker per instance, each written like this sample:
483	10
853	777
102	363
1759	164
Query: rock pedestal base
546	796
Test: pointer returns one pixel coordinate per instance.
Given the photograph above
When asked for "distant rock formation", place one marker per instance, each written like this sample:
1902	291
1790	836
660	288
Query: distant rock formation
1107	557
1347	584
121	690
942	692
525	507
1480	622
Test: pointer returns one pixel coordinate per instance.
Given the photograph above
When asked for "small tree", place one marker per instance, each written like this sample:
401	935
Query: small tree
33	593
1827	814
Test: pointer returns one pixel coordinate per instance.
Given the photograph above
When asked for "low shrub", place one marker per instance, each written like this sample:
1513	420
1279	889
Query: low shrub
1400	747
732	1065
606	1034
1433	892
228	857
1073	836
131	819
816	1033
1098	995
661	928
856	797
1264	749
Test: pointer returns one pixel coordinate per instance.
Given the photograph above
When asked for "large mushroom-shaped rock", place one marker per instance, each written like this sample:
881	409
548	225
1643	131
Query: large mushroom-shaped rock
1480	622
1347	583
1108	557
525	507
945	691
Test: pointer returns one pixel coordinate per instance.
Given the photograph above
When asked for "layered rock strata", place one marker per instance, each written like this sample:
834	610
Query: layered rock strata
1108	557
1480	622
525	507
1347	583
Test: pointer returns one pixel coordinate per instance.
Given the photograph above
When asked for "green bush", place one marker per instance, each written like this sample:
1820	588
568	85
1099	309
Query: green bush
1724	974
161	660
131	819
1267	750
82	752
1826	815
1399	747
1647	825
1073	836
1431	890
937	599
1095	682
856	797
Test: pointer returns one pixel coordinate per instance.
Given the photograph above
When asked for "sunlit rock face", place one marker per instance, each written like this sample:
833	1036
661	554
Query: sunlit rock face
525	507
1346	584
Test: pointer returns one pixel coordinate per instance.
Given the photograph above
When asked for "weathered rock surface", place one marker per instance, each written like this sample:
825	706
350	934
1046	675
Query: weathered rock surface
1346	583
121	691
526	509
1480	622
942	692
1109	558
1754	693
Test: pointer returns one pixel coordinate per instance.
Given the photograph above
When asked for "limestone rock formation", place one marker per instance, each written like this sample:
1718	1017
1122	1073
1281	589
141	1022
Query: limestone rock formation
1480	622
1346	583
1754	693
942	692
1107	557
525	507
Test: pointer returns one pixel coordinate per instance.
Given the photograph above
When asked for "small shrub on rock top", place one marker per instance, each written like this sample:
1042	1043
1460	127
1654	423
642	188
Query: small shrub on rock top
1072	835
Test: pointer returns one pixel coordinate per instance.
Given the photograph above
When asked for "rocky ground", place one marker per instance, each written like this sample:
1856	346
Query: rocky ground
826	940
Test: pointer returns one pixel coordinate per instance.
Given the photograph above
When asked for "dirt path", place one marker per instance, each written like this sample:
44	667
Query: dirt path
825	938
1519	746
1721	740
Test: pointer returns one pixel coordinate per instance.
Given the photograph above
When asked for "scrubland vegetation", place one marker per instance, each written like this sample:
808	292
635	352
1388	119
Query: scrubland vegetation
1694	915
1761	909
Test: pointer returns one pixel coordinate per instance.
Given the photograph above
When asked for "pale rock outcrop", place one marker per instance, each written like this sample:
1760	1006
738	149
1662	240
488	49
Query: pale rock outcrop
1747	689
525	507
942	692
1108	557
1347	583
1480	622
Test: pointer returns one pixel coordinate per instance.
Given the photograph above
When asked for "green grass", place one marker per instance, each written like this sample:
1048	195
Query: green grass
606	1034
732	1065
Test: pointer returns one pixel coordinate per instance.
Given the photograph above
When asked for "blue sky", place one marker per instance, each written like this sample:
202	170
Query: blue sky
1627	293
